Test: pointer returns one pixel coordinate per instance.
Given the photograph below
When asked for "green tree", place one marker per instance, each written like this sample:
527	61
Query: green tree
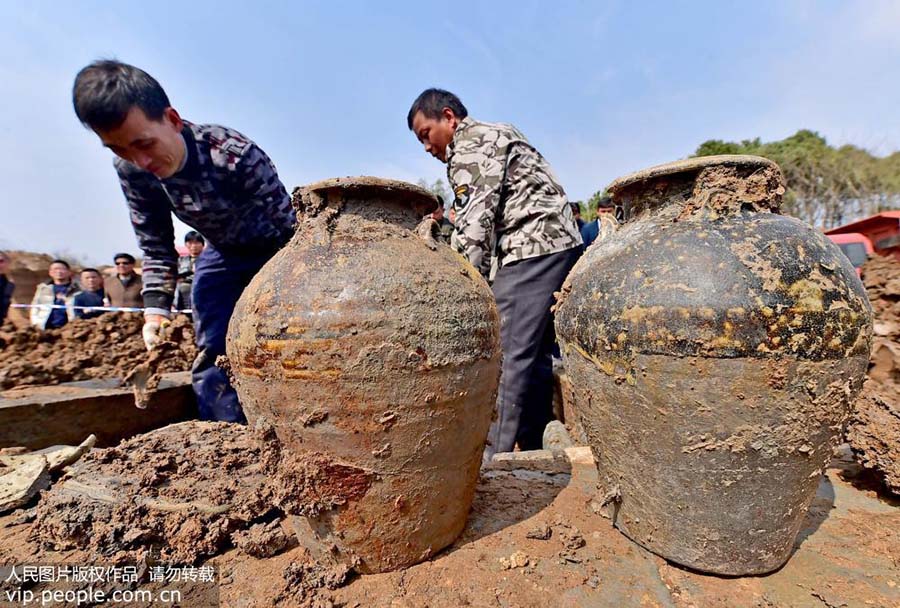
439	189
827	186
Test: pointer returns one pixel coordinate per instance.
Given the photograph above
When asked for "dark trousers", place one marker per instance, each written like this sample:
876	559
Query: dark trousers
219	280
524	294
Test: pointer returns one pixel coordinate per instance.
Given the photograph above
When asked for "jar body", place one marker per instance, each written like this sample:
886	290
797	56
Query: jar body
376	356
715	349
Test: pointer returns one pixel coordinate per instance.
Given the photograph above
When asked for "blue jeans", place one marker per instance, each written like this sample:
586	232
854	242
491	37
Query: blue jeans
219	280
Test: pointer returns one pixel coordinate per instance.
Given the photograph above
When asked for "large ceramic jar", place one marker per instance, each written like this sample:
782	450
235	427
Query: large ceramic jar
715	348
374	353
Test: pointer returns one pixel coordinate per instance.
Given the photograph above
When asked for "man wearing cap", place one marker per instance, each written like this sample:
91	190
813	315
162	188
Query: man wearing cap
91	294
212	178
124	288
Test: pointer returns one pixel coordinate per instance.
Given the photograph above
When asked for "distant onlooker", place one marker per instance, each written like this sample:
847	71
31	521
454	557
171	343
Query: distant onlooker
91	294
576	211
603	226
58	291
195	243
6	286
124	289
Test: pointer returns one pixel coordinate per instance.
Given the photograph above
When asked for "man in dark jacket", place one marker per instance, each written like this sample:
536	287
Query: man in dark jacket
6	286
91	294
212	178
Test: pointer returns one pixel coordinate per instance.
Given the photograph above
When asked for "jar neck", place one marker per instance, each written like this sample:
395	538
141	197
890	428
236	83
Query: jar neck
715	191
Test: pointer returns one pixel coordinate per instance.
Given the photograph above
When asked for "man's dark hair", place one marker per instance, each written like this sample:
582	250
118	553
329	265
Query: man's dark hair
431	102
124	256
106	90
195	236
63	262
94	270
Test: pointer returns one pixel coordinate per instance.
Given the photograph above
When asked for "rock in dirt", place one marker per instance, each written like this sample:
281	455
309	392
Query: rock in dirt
263	540
23	474
518	559
307	577
874	430
178	494
20	483
540	532
108	346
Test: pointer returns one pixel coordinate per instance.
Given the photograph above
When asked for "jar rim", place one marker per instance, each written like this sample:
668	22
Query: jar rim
364	182
695	164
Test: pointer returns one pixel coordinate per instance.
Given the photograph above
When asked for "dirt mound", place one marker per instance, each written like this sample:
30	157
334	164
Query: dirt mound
179	494
874	430
108	346
26	270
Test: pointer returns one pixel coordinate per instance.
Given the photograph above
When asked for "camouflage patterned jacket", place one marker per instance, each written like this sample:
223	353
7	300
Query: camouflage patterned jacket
228	191
508	200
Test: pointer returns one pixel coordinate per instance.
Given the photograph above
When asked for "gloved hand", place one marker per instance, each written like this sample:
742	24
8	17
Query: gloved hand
153	325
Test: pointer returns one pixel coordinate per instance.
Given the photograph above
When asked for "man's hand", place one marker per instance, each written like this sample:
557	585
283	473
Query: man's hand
153	325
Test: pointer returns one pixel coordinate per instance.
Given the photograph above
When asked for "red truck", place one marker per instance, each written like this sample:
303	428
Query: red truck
879	233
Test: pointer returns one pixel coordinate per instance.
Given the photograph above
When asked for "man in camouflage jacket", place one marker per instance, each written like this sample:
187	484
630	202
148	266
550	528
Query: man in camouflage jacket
510	213
212	178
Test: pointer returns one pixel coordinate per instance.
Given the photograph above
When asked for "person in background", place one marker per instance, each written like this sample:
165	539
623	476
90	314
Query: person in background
124	289
603	225
576	211
59	291
195	243
91	294
6	286
444	226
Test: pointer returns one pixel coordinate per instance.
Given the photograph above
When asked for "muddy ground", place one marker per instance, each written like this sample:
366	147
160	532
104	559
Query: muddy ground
534	538
874	430
108	346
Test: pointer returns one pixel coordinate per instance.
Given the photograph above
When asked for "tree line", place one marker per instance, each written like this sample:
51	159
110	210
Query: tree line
826	186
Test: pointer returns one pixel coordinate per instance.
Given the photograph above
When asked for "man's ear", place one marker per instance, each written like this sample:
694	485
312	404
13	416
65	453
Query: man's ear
450	116
171	116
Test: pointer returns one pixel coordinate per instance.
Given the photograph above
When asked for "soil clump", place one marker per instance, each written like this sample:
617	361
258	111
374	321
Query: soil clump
177	494
874	430
103	347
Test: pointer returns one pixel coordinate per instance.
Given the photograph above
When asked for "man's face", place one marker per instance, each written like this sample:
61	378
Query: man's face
153	145
59	273
194	248
91	281
436	133
124	267
4	264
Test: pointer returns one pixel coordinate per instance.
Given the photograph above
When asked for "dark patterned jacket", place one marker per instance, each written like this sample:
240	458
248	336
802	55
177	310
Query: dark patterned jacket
6	291
228	191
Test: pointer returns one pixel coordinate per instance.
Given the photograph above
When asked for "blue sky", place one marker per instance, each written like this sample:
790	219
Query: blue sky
601	88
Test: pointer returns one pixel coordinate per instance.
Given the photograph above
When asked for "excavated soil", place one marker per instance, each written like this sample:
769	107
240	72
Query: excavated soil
108	346
536	538
874	430
178	494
